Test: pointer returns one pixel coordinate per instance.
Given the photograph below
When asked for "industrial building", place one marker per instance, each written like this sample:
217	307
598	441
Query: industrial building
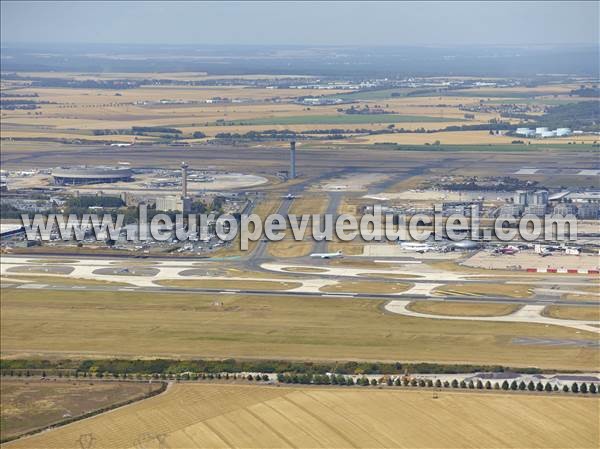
11	229
538	210
173	203
182	203
525	132
511	210
90	175
564	209
520	198
543	132
588	211
539	198
526	198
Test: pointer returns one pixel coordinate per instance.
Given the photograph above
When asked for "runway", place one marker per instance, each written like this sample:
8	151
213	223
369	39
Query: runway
250	292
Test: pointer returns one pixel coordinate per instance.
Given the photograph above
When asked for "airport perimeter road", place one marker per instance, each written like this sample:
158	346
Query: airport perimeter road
225	291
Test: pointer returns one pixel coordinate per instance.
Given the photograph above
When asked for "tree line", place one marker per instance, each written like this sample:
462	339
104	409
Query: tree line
170	366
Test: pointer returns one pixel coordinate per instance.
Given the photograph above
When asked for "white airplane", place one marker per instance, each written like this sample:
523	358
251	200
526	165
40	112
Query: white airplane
509	249
289	196
121	144
542	250
327	255
417	247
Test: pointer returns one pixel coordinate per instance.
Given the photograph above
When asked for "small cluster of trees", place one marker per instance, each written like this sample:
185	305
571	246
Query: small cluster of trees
154	129
317	379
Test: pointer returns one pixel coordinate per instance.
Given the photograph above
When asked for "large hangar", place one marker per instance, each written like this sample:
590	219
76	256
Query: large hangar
92	175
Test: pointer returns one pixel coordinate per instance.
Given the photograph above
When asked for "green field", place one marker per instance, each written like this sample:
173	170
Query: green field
337	120
69	324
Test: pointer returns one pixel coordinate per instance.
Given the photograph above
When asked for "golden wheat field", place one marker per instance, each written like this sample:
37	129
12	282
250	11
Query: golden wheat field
74	114
246	416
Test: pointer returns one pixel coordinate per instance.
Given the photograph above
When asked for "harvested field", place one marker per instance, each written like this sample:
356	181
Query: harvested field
141	324
573	313
249	416
312	119
32	404
445	138
456	308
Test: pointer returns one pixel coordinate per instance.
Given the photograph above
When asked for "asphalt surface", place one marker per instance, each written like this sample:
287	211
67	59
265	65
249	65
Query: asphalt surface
249	292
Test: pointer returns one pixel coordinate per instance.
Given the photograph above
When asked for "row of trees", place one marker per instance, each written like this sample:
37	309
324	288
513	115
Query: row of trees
138	376
479	385
171	366
333	379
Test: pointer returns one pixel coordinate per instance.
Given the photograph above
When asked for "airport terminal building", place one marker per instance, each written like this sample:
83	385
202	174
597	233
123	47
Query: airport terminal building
79	176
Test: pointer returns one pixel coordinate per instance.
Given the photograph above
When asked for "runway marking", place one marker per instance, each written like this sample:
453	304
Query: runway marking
340	295
526	171
589	172
35	286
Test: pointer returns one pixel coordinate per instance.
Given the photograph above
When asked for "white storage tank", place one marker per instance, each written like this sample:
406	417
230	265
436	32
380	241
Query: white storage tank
563	132
523	131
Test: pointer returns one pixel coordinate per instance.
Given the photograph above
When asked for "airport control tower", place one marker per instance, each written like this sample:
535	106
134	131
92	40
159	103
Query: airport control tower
184	168
185	200
292	159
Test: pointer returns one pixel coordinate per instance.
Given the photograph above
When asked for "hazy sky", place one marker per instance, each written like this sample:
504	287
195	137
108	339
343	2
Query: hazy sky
345	23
